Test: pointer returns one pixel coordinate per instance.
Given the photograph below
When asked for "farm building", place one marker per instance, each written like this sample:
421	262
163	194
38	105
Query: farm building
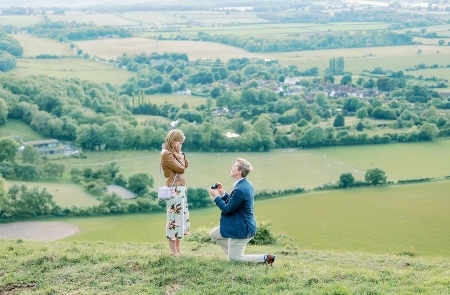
47	146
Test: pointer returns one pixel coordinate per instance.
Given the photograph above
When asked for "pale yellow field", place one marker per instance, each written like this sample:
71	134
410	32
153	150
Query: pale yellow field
357	59
112	48
98	19
19	20
33	46
431	41
64	194
84	69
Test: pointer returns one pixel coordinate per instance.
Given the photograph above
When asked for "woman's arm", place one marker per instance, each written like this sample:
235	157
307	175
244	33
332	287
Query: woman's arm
169	160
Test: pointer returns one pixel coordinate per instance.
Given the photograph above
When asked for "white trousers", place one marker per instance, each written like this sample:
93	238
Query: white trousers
235	248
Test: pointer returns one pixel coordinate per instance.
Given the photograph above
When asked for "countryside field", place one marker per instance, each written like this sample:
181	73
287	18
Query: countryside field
16	127
261	29
84	69
112	48
34	46
98	19
64	194
356	59
19	20
306	168
378	220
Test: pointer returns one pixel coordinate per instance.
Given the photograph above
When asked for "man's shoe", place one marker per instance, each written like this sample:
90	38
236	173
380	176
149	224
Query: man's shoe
270	259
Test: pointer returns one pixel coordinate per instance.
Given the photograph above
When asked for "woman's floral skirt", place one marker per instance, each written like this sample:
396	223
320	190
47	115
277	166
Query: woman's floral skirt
178	223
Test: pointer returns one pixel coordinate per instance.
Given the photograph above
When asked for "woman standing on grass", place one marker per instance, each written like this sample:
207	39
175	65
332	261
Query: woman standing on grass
174	163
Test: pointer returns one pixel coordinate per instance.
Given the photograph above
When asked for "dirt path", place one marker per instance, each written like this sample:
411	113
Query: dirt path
43	231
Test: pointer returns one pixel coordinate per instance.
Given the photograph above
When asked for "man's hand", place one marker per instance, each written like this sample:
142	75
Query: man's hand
217	192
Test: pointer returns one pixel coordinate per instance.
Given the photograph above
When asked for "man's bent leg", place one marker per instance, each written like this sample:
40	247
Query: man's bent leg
236	252
221	241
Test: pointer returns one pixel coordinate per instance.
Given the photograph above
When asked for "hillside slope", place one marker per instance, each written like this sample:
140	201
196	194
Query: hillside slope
100	268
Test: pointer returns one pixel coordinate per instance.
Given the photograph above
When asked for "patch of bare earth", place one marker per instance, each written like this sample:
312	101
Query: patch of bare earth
121	191
11	289
43	231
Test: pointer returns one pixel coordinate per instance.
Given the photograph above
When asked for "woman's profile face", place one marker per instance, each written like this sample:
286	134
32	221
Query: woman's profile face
177	145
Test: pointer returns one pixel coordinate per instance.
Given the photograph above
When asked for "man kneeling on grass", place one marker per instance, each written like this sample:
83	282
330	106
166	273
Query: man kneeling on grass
237	220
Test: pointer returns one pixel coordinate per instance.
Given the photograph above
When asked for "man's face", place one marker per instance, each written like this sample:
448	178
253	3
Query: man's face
234	170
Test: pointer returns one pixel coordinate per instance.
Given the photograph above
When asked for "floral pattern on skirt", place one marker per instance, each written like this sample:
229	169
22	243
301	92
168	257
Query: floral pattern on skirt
178	223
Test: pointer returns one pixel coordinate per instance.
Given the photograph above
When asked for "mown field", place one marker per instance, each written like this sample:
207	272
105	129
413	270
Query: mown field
307	168
98	19
356	59
112	48
19	128
64	194
381	220
264	29
20	20
84	69
34	46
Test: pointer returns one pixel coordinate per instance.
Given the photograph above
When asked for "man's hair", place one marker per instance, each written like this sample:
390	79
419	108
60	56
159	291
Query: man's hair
244	166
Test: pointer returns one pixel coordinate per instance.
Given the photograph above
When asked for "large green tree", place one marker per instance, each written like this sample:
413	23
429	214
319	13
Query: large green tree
3	111
139	183
375	176
339	121
8	149
30	154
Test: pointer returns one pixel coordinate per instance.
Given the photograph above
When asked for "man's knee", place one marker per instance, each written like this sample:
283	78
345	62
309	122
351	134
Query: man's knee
215	233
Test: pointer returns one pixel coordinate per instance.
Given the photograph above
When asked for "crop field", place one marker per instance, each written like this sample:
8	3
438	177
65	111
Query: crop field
432	41
15	127
306	168
98	19
84	69
274	30
378	220
179	100
64	194
440	29
112	48
33	46
357	59
180	18
19	20
430	73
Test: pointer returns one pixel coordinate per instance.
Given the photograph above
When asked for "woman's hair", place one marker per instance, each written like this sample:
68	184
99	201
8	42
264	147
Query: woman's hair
173	136
244	166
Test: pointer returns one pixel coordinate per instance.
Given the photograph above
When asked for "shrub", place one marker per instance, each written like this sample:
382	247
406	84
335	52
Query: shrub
264	235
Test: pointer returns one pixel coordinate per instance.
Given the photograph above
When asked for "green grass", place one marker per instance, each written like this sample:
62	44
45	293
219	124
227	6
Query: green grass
19	128
307	168
99	19
276	30
19	20
358	59
84	69
64	194
127	268
34	46
383	220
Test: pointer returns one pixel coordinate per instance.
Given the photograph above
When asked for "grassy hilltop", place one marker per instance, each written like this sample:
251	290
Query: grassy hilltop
125	268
